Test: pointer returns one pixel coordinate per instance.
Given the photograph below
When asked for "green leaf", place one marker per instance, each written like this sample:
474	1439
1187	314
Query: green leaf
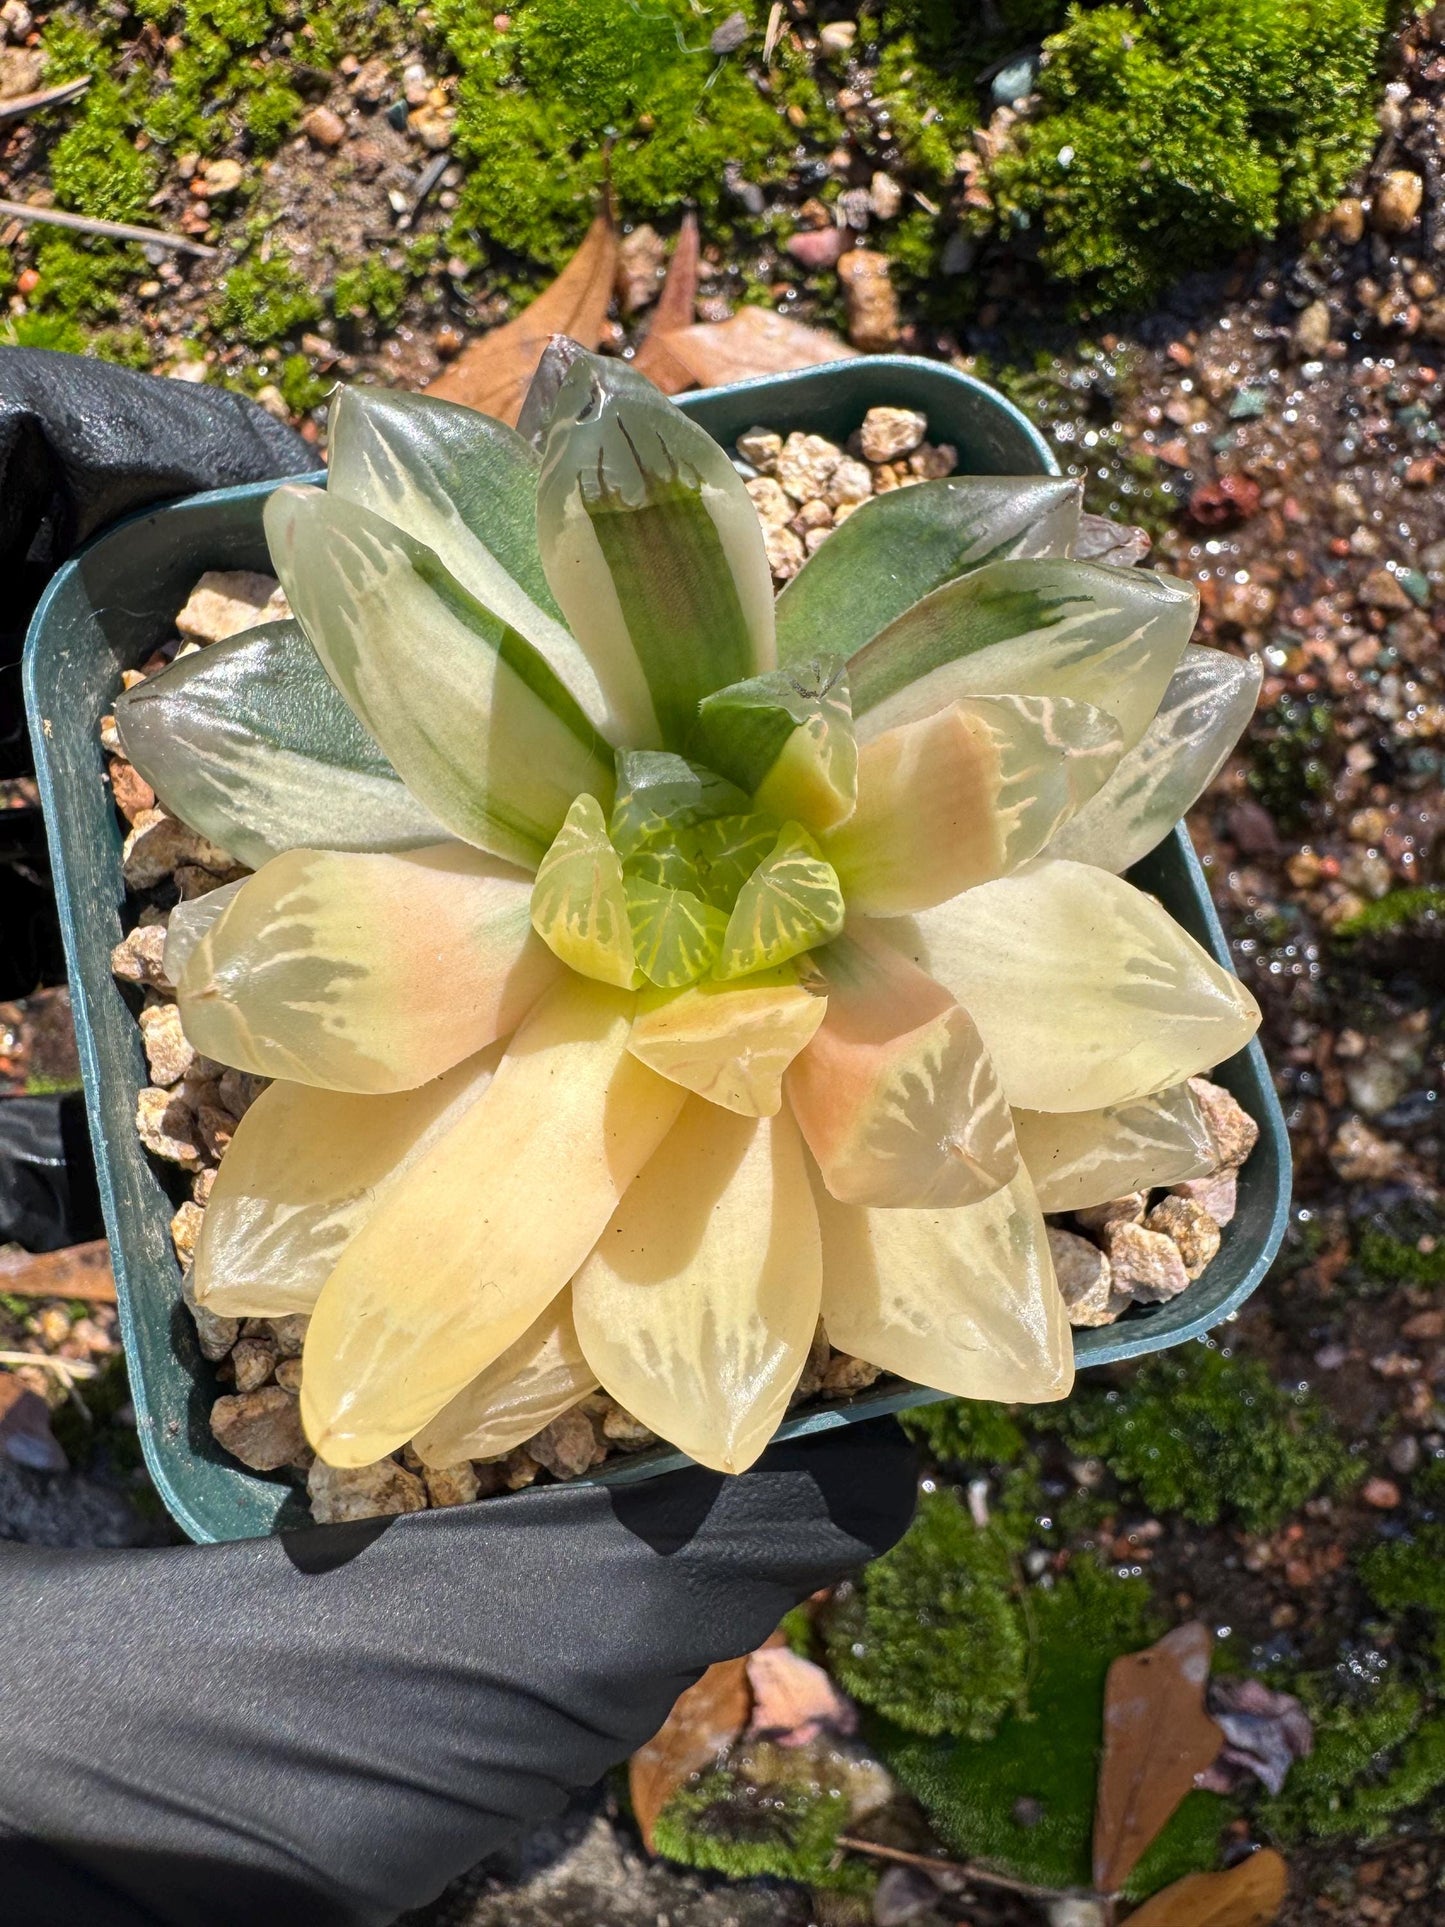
1210	698
660	794
901	546
676	935
580	902
251	743
465	485
479	727
727	850
654	550
787	737
664	864
790	903
1111	637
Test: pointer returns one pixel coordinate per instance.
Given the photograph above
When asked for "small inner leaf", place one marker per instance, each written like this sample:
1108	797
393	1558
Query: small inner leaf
664	864
726	851
730	1042
579	901
659	794
675	935
789	903
788	738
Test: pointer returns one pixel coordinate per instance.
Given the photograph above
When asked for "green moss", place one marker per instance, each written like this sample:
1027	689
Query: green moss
1173	132
932	1634
301	388
264	299
370	288
1399	912
965	1431
42	331
1024	1799
1344	1787
724	1824
1204	1435
270	113
1408	1576
1402	1246
126	347
84	278
95	168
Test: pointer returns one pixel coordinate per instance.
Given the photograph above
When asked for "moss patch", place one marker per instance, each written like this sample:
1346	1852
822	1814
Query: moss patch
724	1824
264	299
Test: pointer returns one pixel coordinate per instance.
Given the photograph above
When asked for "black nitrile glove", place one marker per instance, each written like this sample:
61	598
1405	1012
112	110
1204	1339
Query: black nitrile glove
325	1728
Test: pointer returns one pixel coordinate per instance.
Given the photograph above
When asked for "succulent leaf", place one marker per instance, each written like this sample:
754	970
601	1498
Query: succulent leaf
1086	991
251	743
787	737
478	725
676	935
966	794
895	1095
464	1256
653	549
660	794
697	1307
534	1381
579	901
1079	1158
1111	637
729	1042
726	850
899	547
304	1171
790	903
363	971
964	1301
1210	698
189	922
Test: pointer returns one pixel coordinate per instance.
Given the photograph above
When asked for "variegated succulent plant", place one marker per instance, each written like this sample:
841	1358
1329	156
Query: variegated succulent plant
646	968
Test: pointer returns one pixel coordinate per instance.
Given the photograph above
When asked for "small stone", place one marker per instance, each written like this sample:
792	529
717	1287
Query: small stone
1232	1131
222	177
931	463
785	552
850	483
1192	1229
1396	204
1312	331
805	464
158	845
1085	1278
566	1447
871	300
836	39
775	509
371	83
820	1353
1382	1494
623	1429
1126	1210
519	1469
273	401
888	433
1218	1194
215	1127
139	957
290	1332
132	793
729	35
166	1127
262	1428
846	1375
1347	220
885	196
226	601
1361	1156
641	260
818	248
1147	1265
324	128
288	1374
186	1229
433	127
450	1484
339	1493
168	1051
815	538
238	1090
1405	1454
812	515
1383	589
253	1360
760	448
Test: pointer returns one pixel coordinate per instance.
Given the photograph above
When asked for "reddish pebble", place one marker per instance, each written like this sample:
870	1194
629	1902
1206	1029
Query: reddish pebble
323	128
819	247
1383	1494
27	281
1222	504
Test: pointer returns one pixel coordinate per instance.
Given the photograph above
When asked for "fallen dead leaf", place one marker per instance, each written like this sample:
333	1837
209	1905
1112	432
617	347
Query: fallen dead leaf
794	1701
755	342
78	1271
1157	1740
706	1720
491	373
675	308
1249	1895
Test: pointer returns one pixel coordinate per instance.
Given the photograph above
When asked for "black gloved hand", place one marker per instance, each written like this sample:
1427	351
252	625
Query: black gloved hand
327	1727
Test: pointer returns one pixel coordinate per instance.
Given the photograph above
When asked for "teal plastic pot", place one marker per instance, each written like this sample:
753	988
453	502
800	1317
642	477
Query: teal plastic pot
108	609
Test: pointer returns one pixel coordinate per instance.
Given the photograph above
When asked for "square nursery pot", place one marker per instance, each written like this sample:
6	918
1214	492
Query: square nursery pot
107	610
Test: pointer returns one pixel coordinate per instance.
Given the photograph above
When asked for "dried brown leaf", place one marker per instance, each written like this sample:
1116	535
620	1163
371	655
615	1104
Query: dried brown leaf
491	373
675	308
77	1271
1249	1895
755	342
1157	1739
706	1720
794	1701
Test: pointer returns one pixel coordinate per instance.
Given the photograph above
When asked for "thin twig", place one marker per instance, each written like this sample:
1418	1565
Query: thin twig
65	1369
430	175
77	1271
957	1870
112	230
24	104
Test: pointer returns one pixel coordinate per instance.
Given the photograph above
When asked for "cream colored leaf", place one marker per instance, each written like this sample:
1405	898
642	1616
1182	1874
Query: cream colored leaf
729	1042
486	1230
534	1381
1079	1158
697	1308
962	1301
304	1171
1086	991
365	971
579	901
895	1095
966	794
189	922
